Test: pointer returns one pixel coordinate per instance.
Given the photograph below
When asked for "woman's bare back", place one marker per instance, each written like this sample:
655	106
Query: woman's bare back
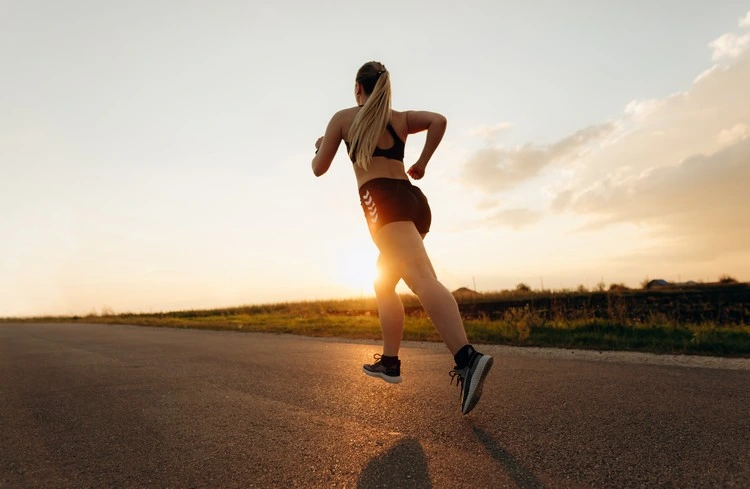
380	167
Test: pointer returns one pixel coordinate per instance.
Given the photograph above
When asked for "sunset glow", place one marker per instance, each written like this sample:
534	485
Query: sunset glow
156	155
356	269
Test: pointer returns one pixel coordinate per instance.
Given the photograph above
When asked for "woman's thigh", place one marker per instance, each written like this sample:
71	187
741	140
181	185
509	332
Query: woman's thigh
403	250
388	275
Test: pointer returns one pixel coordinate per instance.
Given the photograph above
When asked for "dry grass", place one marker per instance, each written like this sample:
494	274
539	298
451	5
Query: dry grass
704	320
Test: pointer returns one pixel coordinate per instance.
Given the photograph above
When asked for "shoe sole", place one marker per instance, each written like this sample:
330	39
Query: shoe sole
477	382
388	378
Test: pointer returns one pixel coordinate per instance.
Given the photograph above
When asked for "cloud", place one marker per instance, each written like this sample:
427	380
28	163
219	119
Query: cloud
516	218
487	203
729	46
681	171
490	133
706	73
641	109
745	21
709	115
674	170
736	133
562	200
701	201
496	168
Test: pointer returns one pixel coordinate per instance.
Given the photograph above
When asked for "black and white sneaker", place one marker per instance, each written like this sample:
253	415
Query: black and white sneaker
390	374
471	380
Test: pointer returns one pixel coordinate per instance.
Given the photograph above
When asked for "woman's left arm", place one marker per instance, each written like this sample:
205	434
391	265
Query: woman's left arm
327	146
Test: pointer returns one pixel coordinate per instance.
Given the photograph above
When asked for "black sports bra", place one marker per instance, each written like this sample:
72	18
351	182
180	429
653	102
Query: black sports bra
395	152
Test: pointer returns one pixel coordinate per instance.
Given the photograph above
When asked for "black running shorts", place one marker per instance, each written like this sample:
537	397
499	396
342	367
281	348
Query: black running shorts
386	200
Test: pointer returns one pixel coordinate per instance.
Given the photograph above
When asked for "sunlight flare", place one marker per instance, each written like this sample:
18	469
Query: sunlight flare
356	269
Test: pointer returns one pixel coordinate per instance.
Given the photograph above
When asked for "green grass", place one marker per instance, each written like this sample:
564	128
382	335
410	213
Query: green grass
662	322
705	339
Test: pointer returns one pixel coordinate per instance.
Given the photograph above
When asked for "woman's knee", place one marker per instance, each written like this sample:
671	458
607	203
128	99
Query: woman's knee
419	277
385	284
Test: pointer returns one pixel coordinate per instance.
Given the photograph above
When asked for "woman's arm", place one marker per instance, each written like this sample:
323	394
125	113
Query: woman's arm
327	146
434	124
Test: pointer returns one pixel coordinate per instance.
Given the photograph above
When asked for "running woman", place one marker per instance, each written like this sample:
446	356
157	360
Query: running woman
399	217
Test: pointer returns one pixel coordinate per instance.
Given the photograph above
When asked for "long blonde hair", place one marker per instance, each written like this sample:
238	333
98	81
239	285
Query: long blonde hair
374	116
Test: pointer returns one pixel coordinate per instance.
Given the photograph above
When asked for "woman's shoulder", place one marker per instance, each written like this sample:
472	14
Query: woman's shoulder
346	111
399	122
352	111
346	114
400	115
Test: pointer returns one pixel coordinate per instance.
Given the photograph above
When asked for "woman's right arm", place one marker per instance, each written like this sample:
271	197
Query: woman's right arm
434	124
327	146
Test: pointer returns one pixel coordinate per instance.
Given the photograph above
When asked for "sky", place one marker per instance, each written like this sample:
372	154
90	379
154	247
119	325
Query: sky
155	155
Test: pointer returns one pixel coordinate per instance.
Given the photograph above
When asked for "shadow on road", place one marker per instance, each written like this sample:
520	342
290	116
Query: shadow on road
403	465
523	478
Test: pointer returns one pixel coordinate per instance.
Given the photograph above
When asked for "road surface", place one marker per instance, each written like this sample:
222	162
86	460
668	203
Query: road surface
85	405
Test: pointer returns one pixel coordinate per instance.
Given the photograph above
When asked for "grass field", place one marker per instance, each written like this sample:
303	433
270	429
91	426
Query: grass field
701	319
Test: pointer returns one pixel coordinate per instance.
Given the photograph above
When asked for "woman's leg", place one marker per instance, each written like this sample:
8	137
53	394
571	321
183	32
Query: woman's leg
390	307
401	246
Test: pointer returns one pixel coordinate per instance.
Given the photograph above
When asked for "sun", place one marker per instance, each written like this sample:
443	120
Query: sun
356	270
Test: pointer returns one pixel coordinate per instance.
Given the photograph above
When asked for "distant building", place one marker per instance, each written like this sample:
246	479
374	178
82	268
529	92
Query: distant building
465	293
663	283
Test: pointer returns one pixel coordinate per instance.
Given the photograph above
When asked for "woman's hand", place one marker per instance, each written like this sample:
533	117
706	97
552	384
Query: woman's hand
435	125
318	143
416	171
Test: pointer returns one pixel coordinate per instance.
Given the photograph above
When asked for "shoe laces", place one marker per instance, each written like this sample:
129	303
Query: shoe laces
457	374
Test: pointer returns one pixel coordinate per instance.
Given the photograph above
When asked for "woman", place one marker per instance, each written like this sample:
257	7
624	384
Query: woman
398	217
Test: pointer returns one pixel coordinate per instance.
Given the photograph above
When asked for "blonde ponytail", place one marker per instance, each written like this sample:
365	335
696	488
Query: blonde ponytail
374	116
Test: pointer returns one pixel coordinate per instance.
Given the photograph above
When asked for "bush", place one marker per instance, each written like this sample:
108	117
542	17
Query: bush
522	320
726	279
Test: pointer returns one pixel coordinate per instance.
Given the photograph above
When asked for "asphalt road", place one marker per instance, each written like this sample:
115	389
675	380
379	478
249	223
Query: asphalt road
125	406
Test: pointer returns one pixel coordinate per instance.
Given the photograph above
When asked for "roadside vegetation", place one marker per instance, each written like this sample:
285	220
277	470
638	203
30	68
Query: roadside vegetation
706	319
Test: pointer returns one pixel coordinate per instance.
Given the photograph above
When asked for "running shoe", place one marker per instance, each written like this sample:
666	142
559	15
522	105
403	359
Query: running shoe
471	380
389	374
